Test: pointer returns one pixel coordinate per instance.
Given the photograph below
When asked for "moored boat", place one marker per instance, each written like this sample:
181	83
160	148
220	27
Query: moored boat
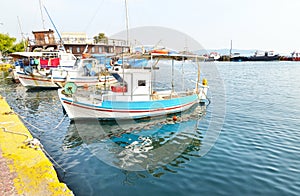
84	72
135	97
42	61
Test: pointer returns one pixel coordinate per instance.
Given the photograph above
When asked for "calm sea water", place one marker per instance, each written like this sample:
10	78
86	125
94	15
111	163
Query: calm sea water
257	149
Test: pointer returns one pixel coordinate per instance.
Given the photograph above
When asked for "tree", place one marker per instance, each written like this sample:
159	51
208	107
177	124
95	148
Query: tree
7	44
100	38
18	47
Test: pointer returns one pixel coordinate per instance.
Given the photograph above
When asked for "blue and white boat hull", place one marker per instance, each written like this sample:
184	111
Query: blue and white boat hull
125	109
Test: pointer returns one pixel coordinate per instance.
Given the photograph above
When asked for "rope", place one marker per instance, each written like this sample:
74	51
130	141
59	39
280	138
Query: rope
60	121
32	143
30	123
25	121
52	159
207	98
35	143
17	133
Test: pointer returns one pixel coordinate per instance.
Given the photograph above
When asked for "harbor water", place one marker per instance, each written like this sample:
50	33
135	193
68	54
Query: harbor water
256	150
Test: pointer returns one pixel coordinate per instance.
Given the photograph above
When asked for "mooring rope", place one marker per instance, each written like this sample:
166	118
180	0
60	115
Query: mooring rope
61	121
25	121
12	132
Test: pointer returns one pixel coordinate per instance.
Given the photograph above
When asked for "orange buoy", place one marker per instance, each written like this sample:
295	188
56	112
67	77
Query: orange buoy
85	86
174	118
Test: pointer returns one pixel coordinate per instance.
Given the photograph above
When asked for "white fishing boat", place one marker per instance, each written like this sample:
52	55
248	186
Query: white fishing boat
136	96
42	60
85	72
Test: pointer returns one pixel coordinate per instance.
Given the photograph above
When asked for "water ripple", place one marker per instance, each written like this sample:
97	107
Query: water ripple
257	153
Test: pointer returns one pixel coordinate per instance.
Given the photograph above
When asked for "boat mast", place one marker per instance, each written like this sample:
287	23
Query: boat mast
60	39
43	21
127	23
22	34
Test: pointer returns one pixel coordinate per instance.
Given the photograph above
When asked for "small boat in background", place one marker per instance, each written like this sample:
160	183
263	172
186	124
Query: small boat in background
42	61
213	56
295	56
84	72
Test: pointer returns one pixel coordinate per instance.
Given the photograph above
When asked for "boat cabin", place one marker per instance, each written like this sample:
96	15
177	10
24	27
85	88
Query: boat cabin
135	84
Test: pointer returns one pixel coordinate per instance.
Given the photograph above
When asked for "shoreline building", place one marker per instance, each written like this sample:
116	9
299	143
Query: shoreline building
76	43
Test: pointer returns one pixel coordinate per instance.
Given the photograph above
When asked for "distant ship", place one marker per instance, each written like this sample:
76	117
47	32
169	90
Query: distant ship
264	56
237	57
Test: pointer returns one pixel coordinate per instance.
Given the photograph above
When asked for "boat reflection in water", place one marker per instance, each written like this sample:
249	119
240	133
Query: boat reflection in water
139	145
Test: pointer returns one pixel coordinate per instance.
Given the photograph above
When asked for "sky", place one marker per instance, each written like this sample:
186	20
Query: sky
250	24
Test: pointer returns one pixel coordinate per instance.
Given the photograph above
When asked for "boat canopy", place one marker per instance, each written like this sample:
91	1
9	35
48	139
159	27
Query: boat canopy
26	54
169	56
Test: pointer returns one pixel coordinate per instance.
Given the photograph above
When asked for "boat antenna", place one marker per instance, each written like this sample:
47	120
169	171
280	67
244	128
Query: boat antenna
54	27
43	21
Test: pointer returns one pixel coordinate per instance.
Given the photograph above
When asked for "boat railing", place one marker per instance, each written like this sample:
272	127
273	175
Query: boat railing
161	95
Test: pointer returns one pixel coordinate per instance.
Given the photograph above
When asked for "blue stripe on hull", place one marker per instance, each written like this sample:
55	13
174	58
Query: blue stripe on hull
146	105
137	106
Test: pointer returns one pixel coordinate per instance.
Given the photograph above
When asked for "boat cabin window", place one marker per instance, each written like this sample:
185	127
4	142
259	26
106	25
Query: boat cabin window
141	82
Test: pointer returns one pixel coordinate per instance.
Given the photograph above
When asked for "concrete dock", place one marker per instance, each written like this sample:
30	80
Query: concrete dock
24	167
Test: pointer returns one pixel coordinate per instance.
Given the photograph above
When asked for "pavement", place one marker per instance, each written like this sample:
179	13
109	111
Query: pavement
24	168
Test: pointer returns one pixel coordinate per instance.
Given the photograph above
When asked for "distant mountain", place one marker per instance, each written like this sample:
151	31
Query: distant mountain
226	51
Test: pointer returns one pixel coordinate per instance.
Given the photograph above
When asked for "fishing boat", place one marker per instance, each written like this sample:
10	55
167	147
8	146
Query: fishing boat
135	97
84	72
42	60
